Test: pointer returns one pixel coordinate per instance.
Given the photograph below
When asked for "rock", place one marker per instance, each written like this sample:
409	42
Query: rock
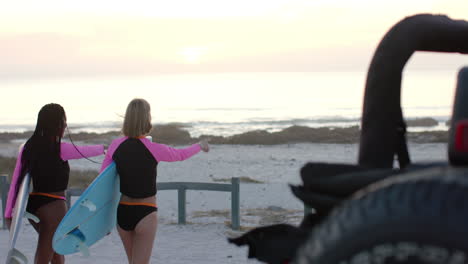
422	122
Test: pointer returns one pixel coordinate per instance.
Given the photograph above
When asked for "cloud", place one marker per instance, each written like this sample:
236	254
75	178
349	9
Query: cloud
296	37
52	54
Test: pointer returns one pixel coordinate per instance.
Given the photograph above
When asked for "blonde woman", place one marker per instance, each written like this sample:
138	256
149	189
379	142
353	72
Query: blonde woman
136	159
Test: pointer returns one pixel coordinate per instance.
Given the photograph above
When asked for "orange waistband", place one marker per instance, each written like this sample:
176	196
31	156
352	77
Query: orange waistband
145	204
48	195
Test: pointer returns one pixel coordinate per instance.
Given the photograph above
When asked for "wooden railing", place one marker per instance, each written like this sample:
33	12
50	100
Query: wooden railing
181	188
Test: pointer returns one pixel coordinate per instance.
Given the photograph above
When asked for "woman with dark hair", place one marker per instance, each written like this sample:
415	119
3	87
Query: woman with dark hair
136	159
45	157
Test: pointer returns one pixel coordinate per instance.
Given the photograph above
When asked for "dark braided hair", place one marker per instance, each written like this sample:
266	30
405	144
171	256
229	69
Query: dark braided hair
45	141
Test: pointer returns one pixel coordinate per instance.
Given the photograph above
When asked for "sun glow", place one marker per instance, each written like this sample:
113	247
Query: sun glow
192	55
54	37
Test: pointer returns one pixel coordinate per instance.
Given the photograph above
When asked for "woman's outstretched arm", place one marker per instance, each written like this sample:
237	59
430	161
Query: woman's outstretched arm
70	151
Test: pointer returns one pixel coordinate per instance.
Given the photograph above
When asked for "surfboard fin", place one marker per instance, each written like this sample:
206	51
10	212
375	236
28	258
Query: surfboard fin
84	249
31	217
79	236
88	204
16	257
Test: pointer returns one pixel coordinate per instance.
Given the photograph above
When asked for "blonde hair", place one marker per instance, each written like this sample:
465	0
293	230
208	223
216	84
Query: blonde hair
137	120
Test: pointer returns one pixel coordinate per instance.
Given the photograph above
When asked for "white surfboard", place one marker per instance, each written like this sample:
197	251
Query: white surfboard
15	256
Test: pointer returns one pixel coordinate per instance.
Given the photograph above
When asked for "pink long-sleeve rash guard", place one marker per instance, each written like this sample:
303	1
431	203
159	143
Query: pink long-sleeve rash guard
67	152
159	151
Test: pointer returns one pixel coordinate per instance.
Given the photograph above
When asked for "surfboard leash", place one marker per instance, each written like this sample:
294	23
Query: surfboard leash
71	140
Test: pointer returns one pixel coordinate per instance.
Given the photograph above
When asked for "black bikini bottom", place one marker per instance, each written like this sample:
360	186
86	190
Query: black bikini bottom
37	200
130	214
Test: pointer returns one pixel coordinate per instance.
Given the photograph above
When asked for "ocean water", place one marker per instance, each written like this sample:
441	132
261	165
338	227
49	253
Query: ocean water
221	103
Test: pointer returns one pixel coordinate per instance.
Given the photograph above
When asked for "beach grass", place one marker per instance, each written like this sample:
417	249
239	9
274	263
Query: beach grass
174	134
7	165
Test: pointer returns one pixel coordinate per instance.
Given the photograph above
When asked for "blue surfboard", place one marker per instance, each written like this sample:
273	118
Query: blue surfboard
92	216
19	212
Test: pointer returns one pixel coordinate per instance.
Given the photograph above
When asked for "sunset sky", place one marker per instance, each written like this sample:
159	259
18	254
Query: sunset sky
93	38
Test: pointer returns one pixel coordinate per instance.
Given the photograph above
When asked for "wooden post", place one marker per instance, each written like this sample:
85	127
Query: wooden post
68	201
72	192
4	186
181	191
235	204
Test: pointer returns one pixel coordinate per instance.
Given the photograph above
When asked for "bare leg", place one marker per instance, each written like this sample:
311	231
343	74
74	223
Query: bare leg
143	240
50	216
58	259
36	227
127	241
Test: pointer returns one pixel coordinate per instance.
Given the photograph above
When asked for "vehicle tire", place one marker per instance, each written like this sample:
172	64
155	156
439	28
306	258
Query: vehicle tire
419	217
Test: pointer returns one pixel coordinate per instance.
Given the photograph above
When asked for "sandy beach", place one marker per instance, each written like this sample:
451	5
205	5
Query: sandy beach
203	238
272	85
